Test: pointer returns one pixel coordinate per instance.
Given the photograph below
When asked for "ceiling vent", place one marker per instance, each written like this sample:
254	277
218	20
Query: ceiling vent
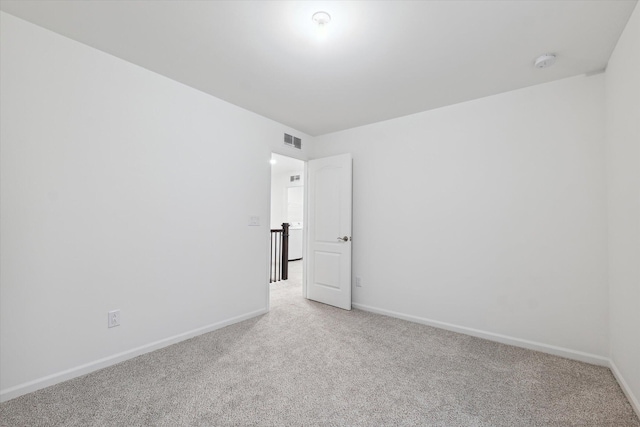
292	141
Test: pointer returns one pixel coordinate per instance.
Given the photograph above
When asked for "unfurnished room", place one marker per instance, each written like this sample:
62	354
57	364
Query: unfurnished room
320	213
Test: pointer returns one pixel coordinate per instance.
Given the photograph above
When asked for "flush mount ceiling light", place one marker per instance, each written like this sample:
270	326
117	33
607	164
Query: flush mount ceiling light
321	18
546	60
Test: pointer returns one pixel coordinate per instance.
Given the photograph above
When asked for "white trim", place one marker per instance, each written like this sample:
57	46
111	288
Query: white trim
633	400
504	339
49	380
305	228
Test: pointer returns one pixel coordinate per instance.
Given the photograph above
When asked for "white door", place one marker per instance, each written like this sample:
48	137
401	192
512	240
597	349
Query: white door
329	228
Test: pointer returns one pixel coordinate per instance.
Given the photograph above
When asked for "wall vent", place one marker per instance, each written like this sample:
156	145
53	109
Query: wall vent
294	178
292	141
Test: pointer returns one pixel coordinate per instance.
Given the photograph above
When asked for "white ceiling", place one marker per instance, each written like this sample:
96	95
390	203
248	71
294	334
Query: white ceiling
379	59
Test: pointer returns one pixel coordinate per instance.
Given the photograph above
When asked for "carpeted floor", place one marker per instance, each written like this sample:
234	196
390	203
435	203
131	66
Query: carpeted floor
309	364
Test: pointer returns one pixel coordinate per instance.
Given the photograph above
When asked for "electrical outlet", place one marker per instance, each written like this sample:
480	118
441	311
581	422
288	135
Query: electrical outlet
113	318
358	282
254	220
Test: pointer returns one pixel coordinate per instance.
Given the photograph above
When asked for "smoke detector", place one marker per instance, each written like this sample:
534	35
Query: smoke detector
546	60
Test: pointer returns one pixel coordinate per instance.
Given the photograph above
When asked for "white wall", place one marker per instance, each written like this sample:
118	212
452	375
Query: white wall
488	216
121	189
623	179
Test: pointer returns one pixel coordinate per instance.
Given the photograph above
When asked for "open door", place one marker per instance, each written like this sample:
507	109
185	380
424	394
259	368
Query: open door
329	228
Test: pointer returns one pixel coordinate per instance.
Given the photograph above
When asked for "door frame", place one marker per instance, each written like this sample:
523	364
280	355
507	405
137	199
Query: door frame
305	206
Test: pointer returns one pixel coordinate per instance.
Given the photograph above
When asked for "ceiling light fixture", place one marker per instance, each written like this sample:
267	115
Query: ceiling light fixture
546	60
273	161
321	18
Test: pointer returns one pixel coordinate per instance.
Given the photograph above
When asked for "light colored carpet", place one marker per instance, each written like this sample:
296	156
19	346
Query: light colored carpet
309	364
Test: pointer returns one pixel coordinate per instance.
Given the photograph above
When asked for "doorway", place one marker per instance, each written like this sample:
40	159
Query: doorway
287	207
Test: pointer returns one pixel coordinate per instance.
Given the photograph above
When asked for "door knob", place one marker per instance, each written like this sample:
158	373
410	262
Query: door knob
344	239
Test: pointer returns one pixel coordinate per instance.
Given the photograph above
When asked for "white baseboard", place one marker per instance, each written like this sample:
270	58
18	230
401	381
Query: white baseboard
49	380
504	339
633	400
